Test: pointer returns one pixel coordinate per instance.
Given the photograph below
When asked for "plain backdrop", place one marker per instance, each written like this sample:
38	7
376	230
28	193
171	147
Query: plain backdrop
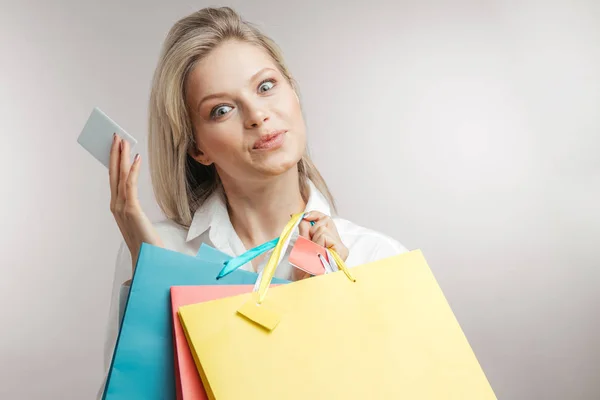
468	129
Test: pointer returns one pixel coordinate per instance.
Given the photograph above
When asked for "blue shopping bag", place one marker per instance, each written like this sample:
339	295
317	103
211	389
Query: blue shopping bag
210	254
143	361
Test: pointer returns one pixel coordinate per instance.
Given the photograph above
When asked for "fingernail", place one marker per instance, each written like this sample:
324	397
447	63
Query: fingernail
114	136
137	156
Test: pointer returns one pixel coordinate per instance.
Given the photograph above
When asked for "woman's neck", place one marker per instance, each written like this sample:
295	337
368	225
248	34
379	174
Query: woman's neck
259	211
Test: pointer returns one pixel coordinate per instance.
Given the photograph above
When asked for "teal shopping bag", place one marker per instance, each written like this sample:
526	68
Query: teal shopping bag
143	361
210	254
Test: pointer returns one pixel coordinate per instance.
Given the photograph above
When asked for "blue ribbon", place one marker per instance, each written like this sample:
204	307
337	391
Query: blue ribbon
233	264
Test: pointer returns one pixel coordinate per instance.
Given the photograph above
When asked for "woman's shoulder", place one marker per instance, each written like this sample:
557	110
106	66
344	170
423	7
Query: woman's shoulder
366	244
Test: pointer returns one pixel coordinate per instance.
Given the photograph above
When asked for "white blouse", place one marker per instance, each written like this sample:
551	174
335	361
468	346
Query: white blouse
211	225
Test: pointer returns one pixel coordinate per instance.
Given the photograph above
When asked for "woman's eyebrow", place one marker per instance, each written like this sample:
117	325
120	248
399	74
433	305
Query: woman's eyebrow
260	73
210	96
223	94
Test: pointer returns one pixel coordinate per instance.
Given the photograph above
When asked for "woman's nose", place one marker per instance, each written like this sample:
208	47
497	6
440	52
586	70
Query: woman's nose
256	117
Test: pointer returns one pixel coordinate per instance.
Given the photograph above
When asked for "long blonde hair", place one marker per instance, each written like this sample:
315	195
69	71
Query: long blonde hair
180	183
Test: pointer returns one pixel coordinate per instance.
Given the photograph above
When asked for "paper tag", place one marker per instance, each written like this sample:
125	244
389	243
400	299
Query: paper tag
305	256
260	314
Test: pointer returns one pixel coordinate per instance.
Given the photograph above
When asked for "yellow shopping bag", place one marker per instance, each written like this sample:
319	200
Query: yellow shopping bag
383	330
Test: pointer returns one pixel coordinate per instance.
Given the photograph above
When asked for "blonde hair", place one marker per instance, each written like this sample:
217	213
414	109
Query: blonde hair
181	184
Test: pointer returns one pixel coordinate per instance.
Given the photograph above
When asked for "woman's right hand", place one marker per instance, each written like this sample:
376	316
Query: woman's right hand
124	204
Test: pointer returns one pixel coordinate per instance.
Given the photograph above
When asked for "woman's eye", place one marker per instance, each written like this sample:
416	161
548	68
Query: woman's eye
219	111
266	86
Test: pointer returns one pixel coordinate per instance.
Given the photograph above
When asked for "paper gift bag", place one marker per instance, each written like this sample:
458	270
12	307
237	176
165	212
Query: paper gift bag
207	254
143	360
210	254
187	381
383	330
186	374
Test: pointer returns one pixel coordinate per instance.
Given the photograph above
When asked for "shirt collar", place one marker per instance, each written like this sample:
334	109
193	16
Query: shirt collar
213	215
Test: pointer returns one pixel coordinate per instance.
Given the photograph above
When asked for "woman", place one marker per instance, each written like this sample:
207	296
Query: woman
228	158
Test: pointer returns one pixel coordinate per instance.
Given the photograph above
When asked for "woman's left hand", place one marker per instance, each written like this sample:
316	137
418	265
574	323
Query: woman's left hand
323	232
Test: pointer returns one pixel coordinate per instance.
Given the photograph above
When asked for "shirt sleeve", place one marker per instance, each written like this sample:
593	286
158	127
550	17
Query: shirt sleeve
389	247
373	246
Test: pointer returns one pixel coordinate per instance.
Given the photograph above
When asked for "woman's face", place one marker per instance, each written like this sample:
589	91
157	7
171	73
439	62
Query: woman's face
246	116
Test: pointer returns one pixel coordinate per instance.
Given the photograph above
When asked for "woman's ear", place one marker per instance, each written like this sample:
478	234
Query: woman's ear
199	156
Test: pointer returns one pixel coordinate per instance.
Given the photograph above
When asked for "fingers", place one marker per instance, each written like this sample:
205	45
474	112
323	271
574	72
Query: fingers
320	237
317	220
325	234
314	216
310	221
123	173
131	185
320	224
304	229
113	170
317	225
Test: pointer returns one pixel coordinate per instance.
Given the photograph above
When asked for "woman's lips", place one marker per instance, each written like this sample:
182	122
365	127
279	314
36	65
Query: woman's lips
270	141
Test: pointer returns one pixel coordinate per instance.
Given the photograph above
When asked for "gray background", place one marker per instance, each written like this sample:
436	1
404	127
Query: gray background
468	129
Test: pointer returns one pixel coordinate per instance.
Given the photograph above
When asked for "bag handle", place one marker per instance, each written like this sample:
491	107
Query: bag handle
279	250
231	265
253	309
